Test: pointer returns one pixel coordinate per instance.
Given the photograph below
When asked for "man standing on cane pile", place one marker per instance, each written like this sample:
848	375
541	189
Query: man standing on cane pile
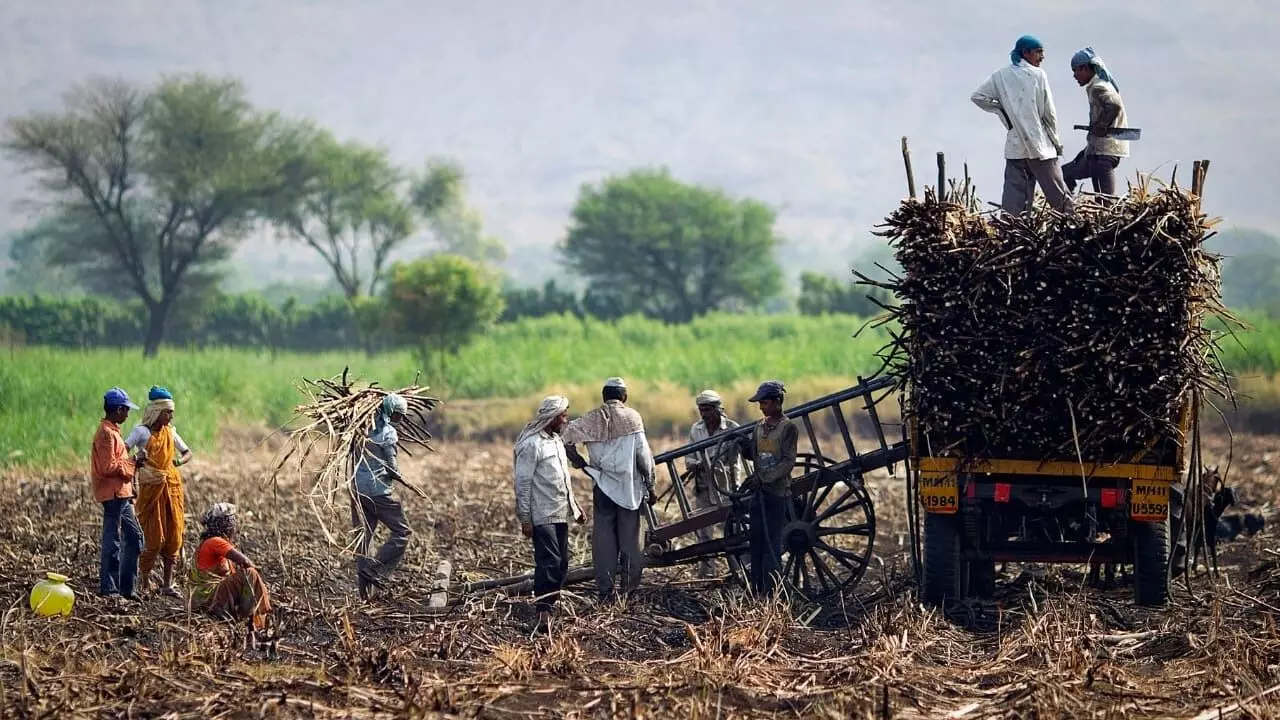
621	466
773	449
716	467
1019	93
372	502
544	501
1101	153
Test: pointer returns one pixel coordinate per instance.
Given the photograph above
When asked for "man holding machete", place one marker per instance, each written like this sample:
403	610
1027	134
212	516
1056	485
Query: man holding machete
1102	150
1019	93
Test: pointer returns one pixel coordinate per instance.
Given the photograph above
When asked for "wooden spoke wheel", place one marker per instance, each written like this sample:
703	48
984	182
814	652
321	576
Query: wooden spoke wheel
827	541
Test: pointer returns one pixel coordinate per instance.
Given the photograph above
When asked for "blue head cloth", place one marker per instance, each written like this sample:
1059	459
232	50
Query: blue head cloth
159	393
1025	43
1088	57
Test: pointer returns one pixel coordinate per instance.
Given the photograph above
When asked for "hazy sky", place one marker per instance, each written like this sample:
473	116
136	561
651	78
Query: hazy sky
799	104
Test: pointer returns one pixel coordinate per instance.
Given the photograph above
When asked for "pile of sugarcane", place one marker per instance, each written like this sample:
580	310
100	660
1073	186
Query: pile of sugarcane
328	436
1053	336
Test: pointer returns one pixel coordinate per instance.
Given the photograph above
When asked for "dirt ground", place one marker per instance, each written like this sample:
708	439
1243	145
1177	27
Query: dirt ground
1049	647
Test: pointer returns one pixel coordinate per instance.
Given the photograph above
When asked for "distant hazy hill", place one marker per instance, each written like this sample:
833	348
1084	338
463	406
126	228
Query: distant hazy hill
799	104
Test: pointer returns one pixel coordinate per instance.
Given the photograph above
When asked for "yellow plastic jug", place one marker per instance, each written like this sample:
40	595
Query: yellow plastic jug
52	596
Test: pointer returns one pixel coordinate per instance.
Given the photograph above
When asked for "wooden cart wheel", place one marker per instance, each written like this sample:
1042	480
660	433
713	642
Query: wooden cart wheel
827	543
739	562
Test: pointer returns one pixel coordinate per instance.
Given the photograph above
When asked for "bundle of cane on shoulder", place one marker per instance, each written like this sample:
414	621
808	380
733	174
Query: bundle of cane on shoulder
329	442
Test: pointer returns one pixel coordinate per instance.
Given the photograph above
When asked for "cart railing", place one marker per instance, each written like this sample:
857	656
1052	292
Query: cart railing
838	454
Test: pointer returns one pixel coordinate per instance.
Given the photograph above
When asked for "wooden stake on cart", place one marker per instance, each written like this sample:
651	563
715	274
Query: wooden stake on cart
906	160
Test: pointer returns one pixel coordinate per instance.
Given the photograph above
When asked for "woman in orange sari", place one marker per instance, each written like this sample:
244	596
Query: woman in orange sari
160	504
224	582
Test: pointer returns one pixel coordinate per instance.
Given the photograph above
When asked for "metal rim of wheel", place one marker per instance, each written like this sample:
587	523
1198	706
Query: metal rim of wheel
828	542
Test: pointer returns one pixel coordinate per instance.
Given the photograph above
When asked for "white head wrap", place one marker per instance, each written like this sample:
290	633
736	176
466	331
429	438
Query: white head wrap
552	407
708	397
151	413
616	382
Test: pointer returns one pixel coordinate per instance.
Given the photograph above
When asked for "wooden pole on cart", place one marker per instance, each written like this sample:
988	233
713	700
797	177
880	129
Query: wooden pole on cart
942	177
906	160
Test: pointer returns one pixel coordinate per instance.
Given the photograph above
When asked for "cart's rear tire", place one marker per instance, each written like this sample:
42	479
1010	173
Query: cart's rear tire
1150	562
941	558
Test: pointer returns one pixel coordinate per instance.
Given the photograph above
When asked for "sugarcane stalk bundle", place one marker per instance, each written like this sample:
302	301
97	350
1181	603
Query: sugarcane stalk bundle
327	439
1053	336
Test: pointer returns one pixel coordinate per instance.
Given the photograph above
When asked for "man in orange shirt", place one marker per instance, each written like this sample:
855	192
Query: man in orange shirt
112	472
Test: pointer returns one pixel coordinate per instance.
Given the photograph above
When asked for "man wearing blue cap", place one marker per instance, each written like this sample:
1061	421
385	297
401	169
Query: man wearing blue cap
112	472
1019	94
1101	154
772	447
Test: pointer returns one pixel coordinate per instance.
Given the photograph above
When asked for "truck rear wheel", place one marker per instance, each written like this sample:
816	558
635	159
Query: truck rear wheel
1150	562
941	558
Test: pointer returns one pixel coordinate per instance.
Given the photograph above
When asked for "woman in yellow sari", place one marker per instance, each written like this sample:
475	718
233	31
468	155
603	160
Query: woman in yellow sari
160	503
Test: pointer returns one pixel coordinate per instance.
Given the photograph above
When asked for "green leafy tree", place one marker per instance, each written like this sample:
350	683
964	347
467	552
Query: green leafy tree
538	302
438	196
821	294
350	212
170	178
1250	268
441	303
674	251
30	269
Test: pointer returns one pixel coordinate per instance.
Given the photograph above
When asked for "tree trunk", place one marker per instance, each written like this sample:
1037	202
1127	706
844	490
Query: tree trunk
158	316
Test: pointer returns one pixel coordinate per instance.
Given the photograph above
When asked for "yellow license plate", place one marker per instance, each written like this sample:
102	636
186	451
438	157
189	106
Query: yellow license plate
1148	500
939	493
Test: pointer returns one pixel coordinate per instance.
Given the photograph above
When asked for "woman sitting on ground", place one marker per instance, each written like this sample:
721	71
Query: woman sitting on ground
224	582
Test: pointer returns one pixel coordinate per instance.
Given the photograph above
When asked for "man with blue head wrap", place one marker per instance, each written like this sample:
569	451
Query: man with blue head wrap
1019	94
372	502
1101	154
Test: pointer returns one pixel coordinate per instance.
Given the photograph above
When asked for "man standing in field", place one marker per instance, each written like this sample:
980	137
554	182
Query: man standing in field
112	471
773	449
372	502
716	467
1101	154
544	501
621	466
1019	94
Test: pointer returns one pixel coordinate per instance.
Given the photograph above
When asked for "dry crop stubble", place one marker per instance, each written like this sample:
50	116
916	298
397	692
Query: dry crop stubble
681	648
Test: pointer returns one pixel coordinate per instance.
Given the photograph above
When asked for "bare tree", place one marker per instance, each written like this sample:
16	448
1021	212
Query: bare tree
170	178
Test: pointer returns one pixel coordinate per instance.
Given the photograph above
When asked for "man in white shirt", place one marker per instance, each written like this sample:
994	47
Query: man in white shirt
544	501
718	466
621	466
1019	94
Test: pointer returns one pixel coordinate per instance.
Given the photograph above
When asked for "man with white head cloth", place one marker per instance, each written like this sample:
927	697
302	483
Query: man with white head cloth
621	466
718	466
544	501
372	502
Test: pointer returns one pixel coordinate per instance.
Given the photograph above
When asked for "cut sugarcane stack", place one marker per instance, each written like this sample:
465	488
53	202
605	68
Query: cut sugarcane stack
1054	336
